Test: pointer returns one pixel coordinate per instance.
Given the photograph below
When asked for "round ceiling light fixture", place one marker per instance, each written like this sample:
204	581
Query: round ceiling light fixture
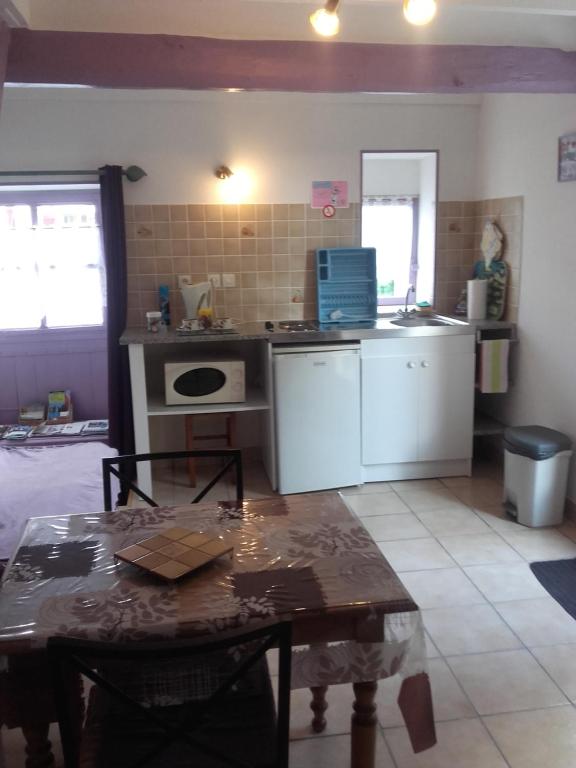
419	12
325	20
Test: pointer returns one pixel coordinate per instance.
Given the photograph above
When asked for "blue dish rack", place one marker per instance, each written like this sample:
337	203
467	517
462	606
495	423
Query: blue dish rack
346	284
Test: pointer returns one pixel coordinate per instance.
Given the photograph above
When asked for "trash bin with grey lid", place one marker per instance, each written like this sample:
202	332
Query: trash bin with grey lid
536	462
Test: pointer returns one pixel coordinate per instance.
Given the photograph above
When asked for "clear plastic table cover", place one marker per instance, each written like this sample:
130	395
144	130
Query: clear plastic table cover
304	557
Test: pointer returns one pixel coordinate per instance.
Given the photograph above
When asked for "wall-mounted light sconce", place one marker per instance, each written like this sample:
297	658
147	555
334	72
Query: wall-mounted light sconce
223	172
234	186
419	12
325	20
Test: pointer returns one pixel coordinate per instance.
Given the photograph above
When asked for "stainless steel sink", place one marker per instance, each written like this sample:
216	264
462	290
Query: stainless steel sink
417	322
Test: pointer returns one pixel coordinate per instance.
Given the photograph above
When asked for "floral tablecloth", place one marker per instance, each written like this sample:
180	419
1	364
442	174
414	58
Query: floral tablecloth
307	558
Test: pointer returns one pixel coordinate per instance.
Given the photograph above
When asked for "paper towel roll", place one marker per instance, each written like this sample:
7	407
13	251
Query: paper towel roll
476	297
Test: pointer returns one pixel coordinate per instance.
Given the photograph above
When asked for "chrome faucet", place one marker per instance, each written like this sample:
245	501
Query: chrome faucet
410	290
405	312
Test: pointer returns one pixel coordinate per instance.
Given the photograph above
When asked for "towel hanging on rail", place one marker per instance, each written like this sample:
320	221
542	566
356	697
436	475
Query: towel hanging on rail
493	368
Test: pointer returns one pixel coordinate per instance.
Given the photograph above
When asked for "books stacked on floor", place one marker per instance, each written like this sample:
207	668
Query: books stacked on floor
15	431
72	429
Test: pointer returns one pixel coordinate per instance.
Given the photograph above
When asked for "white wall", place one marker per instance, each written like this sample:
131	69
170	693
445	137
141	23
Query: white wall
390	176
285	140
518	156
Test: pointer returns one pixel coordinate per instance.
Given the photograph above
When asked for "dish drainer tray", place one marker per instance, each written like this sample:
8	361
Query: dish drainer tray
346	284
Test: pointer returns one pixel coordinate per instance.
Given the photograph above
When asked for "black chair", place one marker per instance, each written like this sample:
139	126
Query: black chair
124	469
221	715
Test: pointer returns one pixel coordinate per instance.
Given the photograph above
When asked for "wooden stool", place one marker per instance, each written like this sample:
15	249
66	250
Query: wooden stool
229	436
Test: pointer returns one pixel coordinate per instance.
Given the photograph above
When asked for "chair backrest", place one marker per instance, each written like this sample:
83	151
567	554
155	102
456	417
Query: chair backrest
124	469
220	670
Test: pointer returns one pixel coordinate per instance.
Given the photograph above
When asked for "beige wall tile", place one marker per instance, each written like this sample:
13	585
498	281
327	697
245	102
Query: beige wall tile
264	228
215	264
232	263
230	213
197	247
248	246
264	246
249	263
263	212
195	212
161	213
198	264
247	212
142	213
213	213
180	248
265	279
264	263
215	247
232	246
249	279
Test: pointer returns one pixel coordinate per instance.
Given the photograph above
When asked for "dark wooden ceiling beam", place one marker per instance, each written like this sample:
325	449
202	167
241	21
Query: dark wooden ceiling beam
167	61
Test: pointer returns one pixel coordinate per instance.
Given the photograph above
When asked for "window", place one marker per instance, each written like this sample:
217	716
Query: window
51	259
390	224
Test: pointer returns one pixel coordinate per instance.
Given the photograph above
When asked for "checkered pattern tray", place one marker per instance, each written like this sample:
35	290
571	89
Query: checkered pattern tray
175	552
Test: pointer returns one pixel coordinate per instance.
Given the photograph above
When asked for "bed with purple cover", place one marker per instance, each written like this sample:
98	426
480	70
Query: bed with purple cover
38	482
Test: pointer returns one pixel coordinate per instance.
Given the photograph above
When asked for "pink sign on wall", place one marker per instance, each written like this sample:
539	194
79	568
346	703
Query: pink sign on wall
330	193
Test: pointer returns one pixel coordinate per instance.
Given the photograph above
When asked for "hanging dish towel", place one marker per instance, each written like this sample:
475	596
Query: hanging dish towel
494	365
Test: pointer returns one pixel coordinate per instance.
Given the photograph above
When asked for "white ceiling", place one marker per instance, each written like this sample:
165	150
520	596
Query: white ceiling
543	23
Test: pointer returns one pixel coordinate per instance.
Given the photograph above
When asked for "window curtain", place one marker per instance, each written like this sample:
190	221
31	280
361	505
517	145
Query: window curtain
390	224
121	433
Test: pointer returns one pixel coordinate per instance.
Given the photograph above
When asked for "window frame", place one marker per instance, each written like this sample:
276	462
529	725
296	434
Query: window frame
57	194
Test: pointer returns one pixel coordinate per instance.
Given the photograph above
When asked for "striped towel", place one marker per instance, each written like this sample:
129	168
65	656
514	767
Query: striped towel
494	365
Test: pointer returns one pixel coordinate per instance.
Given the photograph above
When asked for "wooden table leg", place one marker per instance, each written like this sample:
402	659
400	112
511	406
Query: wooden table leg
319	705
38	746
364	721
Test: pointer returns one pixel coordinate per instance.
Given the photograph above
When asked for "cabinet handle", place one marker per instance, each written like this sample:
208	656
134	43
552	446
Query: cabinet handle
411	365
425	364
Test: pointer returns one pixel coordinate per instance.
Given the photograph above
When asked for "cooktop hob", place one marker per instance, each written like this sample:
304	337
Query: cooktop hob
297	326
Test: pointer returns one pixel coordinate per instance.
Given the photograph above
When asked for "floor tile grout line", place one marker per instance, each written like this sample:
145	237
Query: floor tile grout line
523	709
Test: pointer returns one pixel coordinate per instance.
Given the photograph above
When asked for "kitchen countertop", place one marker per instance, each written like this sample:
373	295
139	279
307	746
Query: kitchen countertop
379	329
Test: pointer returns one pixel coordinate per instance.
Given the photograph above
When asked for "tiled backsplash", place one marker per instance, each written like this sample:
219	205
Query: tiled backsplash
270	250
460	226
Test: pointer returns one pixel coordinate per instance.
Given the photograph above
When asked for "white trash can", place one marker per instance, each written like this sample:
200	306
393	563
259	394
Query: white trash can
536	462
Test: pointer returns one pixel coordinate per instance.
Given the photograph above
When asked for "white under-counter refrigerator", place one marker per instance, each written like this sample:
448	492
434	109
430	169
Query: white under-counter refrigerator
317	414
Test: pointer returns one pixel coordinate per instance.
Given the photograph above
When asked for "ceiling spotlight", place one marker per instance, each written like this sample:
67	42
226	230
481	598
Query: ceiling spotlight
325	20
419	12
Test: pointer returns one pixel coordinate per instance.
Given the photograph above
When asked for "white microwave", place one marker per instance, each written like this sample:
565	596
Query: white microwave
200	382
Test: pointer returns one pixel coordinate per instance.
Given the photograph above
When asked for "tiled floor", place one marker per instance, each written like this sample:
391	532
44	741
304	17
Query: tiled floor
502	653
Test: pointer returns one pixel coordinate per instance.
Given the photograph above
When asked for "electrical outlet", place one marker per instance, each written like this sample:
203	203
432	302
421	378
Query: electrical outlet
184	280
229	280
215	280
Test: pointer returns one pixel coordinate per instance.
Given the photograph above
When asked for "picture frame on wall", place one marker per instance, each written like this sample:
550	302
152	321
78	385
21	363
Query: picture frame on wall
567	157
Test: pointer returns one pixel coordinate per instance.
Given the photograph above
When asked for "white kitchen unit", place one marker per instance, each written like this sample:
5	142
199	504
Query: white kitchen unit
147	361
417	407
317	415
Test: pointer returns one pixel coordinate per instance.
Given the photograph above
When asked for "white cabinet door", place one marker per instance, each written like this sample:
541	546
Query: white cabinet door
417	399
445	407
389	409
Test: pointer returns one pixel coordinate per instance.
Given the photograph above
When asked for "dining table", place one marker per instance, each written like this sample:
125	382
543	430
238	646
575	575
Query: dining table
305	558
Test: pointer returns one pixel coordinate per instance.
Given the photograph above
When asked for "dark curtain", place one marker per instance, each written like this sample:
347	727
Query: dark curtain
121	433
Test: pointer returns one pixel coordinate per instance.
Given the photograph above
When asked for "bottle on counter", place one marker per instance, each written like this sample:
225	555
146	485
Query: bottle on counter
164	292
